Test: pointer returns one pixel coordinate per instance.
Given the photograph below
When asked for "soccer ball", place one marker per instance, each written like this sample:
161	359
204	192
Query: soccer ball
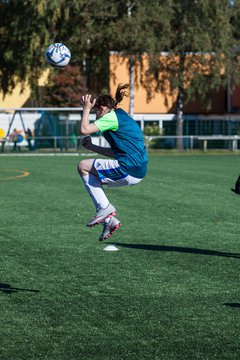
58	55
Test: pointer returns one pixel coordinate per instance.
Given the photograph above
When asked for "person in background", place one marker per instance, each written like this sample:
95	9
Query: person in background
15	140
29	138
127	159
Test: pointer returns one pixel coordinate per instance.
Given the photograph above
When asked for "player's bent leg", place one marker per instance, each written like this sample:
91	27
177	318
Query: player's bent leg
93	185
86	166
112	174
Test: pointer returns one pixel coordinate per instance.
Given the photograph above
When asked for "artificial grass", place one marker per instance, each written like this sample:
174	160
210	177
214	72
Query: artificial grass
170	292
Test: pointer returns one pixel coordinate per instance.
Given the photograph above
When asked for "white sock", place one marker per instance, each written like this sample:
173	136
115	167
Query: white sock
94	188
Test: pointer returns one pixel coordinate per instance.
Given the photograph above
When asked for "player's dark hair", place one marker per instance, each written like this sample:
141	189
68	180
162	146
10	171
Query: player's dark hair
109	101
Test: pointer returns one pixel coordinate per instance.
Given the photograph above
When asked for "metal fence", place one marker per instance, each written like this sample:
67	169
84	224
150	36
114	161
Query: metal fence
55	131
72	144
195	142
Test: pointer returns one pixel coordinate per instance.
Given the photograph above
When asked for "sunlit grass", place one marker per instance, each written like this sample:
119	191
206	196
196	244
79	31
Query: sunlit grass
170	292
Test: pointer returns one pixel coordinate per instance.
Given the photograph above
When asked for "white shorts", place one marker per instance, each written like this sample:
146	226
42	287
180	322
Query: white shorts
111	173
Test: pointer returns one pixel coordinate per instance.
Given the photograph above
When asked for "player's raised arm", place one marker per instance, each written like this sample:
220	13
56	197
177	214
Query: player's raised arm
86	127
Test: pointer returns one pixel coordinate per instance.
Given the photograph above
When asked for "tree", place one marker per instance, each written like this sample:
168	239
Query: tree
27	27
65	87
89	28
200	55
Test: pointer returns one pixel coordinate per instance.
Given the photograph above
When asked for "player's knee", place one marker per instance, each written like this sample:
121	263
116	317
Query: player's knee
81	168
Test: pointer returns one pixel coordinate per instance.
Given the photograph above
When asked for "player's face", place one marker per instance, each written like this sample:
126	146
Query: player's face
100	111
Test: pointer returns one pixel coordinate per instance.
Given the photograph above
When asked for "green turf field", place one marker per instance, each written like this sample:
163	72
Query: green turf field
170	292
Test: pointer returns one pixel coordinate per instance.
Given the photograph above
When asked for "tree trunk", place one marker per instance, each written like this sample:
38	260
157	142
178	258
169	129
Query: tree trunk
89	71
37	96
179	130
180	101
131	73
130	6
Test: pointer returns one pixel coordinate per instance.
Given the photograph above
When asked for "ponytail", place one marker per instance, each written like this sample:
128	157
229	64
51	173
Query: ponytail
109	101
120	93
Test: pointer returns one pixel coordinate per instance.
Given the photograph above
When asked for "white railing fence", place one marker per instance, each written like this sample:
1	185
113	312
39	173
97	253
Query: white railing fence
194	142
72	144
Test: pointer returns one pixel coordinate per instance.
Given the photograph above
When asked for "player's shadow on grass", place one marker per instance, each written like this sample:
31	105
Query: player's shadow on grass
179	249
232	304
8	289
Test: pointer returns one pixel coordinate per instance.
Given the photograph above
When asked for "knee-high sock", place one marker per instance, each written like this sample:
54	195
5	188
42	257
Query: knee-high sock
94	188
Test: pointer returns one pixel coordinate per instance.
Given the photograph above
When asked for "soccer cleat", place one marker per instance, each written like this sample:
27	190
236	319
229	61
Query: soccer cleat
237	186
102	214
109	228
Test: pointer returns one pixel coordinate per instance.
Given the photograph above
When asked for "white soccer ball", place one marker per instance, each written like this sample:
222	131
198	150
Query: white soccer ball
58	55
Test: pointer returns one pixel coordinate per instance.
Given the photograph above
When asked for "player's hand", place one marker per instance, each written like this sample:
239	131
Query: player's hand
237	186
87	142
86	102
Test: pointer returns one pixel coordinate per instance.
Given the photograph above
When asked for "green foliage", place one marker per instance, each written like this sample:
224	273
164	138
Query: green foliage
27	28
154	130
202	29
91	29
151	130
144	30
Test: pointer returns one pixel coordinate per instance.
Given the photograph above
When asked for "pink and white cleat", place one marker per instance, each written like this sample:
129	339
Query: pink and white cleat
109	228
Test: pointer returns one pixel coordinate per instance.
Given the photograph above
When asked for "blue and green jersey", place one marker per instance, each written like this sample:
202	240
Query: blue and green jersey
125	138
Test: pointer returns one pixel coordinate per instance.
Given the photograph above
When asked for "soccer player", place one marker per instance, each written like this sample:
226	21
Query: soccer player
128	157
237	186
